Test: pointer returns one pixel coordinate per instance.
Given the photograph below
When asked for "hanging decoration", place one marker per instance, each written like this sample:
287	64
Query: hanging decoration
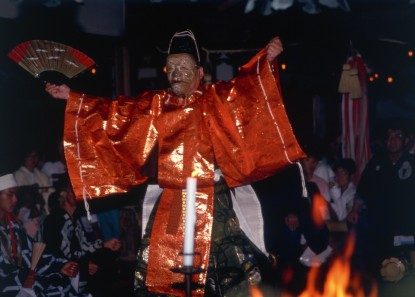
349	82
355	123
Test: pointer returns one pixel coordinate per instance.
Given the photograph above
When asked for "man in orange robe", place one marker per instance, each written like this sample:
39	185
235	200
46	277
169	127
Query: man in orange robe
240	128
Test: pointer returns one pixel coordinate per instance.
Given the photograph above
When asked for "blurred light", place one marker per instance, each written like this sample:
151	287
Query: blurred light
371	78
283	66
93	71
390	79
376	75
410	53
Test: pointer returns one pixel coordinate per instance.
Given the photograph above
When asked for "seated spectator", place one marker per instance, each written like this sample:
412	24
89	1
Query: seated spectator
324	171
65	237
342	191
56	170
386	204
309	165
30	210
28	174
50	277
289	227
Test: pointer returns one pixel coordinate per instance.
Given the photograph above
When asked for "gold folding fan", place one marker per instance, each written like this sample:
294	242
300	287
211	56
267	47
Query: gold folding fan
37	56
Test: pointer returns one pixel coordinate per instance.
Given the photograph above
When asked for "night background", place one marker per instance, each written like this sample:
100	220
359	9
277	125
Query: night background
127	39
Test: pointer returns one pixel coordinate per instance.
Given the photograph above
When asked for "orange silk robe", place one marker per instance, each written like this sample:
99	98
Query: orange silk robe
240	126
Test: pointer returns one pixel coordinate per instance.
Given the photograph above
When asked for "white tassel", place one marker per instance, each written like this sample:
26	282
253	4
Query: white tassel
86	204
84	192
305	192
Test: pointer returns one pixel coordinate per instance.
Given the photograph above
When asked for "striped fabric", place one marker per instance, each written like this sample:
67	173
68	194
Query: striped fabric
355	122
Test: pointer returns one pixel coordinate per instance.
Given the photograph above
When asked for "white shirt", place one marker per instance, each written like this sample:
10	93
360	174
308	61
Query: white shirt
50	168
342	203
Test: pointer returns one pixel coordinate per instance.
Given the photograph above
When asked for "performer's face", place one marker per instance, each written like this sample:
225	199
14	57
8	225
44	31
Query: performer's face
183	74
8	200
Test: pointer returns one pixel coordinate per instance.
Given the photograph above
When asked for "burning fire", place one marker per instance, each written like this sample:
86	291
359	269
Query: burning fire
339	281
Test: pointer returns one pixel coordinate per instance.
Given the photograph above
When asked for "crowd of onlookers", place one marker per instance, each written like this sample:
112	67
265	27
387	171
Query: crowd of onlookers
81	256
309	211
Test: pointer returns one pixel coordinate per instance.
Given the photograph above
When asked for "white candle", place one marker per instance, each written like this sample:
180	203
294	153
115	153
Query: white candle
189	230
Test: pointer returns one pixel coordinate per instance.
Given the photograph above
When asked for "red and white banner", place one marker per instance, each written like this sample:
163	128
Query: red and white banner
355	122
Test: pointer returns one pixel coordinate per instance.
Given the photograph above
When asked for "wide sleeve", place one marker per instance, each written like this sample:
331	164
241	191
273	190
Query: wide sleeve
107	142
251	133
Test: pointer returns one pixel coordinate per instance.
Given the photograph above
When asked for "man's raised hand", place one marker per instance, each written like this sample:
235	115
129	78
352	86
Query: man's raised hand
58	91
274	48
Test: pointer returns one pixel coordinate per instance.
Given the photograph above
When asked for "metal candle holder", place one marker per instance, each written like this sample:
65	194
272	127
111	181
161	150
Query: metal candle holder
188	271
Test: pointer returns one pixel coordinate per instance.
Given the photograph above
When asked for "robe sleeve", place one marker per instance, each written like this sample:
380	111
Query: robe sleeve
107	142
251	133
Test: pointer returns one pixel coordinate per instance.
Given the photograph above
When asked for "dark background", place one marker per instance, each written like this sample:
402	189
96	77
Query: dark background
316	46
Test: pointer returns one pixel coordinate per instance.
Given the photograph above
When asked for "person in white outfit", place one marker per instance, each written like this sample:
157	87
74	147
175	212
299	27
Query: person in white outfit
29	174
342	190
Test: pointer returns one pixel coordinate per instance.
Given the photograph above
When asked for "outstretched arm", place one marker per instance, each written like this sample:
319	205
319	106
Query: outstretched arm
251	133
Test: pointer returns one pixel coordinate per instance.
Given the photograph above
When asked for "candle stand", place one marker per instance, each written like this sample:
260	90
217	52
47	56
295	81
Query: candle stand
188	271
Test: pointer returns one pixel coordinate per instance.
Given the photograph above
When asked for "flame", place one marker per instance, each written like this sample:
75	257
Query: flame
318	210
339	281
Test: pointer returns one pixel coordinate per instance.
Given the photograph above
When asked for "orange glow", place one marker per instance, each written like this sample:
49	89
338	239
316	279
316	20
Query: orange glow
283	66
390	79
339	281
93	71
255	292
318	209
371	78
410	53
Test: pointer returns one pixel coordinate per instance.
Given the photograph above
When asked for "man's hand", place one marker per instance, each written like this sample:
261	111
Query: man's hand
70	269
58	92
112	244
274	48
30	279
92	268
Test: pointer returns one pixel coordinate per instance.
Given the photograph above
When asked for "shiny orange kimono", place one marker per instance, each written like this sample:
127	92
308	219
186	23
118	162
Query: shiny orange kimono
239	126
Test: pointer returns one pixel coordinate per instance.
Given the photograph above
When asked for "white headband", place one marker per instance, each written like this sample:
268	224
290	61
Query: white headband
7	181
